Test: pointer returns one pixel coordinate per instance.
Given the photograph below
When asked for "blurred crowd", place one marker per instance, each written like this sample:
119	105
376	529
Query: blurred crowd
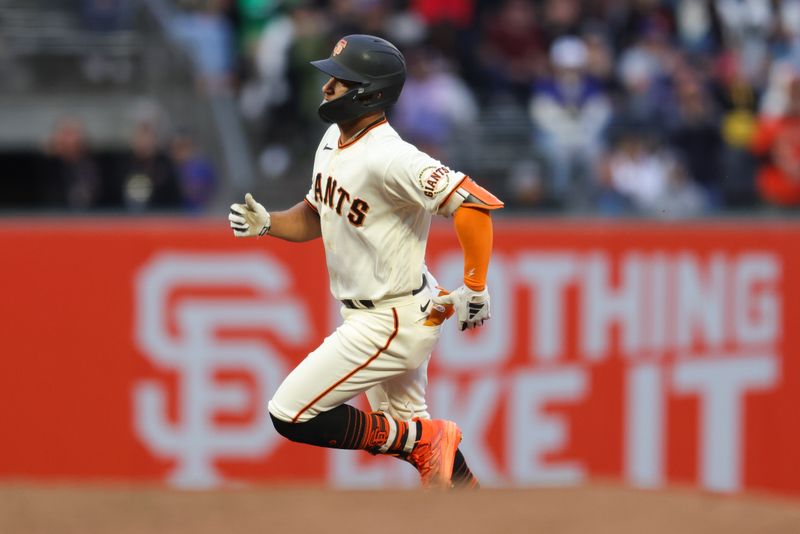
667	108
148	175
149	164
660	107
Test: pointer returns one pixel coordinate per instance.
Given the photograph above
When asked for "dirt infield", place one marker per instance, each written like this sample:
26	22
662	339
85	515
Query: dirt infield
28	509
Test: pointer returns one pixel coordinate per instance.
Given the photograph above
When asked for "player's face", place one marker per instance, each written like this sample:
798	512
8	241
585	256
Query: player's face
334	88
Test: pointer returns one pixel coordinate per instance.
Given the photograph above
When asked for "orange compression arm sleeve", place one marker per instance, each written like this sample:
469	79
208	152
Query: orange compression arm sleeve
474	231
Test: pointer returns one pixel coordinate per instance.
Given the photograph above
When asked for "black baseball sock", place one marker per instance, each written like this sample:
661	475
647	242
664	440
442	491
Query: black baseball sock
462	476
346	427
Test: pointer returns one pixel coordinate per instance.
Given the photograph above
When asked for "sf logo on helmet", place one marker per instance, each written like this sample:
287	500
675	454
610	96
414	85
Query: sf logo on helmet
339	47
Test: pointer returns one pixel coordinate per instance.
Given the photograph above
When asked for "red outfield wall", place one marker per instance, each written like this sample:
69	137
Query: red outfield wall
652	353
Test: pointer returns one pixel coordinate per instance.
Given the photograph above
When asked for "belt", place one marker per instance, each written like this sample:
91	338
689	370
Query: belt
358	304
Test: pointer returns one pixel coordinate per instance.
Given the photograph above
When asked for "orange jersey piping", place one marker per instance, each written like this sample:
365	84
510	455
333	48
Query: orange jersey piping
354	371
362	134
310	205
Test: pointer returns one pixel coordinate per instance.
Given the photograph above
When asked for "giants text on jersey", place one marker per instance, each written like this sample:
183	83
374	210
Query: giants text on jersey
375	196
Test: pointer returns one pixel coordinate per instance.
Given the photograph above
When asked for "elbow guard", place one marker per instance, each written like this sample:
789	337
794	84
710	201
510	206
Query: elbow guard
476	196
469	194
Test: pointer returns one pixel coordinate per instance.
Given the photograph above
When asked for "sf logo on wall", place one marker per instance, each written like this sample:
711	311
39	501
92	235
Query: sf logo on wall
202	317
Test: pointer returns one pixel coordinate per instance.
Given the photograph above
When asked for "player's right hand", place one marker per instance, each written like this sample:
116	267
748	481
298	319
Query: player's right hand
472	307
249	219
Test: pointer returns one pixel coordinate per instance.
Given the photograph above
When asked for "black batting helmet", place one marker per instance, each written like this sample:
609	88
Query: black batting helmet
377	68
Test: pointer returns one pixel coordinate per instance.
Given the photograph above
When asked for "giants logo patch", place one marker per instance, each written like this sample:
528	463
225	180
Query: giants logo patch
433	180
339	47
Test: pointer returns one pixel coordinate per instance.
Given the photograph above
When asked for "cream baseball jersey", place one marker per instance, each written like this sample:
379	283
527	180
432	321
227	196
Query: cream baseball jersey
375	196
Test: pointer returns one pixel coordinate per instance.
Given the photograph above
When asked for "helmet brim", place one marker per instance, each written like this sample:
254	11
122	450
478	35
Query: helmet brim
332	68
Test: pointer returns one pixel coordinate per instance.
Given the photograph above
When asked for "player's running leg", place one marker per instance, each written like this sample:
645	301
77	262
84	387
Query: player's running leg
403	397
369	348
430	445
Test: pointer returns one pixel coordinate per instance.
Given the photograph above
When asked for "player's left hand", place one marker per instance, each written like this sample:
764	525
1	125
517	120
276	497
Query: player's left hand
472	307
249	219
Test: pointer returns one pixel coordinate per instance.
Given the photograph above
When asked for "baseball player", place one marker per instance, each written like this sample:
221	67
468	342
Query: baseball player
371	200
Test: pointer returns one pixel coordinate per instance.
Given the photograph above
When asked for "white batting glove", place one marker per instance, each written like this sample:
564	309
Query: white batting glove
472	307
249	219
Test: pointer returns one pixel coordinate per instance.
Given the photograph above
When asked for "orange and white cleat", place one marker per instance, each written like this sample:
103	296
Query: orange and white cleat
435	452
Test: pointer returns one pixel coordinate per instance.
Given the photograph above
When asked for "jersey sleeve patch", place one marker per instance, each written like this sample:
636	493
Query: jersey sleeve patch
434	180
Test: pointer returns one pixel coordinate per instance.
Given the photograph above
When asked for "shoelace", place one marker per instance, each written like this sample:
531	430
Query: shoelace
421	459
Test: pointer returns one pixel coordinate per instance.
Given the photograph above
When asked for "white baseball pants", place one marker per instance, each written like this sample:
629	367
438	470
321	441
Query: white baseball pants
382	352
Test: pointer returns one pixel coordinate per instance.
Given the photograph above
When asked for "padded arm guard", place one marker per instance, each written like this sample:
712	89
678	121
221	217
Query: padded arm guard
470	194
